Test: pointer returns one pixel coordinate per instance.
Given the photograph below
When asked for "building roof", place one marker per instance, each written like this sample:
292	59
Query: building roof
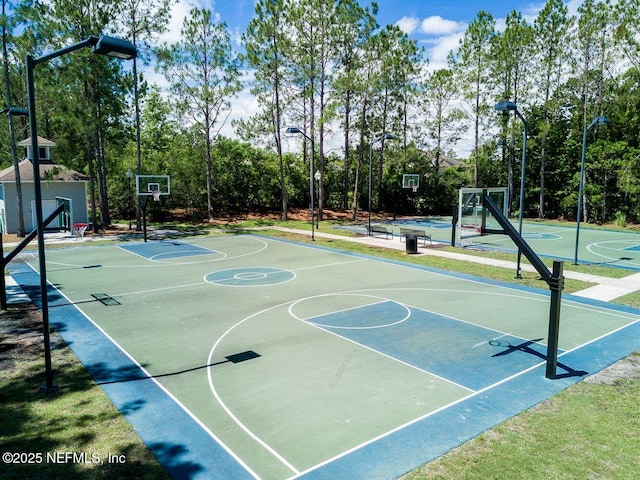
48	172
446	161
42	142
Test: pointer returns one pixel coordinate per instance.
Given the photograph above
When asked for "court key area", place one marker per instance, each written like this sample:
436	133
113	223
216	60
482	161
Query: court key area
246	356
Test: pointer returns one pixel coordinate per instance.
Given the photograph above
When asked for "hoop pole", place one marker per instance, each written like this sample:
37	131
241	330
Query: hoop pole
556	285
144	218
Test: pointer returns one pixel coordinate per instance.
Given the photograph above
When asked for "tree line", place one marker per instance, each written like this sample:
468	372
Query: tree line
363	95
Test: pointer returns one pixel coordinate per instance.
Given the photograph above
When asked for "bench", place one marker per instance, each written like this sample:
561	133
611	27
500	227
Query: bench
373	229
418	233
79	229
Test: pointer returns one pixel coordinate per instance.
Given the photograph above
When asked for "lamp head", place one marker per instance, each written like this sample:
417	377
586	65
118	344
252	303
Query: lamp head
293	130
378	137
16	112
114	47
506	106
601	121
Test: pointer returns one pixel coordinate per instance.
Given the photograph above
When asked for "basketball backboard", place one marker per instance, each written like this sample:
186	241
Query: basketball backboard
470	209
411	180
149	185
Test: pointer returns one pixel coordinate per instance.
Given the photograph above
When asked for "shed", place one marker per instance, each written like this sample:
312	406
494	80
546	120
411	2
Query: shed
58	184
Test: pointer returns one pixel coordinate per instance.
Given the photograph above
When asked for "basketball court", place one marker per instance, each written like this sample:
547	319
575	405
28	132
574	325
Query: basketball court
251	357
594	246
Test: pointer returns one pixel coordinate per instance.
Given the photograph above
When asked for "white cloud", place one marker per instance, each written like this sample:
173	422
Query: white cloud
436	25
179	11
442	46
408	24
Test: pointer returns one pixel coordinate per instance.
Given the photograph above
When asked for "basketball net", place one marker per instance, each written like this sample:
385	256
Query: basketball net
156	195
413	186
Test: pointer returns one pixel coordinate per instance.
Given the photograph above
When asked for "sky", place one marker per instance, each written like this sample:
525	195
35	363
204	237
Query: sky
436	25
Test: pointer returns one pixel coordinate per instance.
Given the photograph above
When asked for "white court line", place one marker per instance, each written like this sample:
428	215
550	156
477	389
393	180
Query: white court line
224	406
418	419
194	417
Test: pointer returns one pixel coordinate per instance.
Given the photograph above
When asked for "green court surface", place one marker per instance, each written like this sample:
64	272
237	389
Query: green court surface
251	357
595	246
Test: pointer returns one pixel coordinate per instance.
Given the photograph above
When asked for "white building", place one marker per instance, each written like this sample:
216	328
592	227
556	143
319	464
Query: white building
58	184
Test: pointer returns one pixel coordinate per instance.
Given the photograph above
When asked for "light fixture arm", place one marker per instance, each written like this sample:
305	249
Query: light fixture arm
71	48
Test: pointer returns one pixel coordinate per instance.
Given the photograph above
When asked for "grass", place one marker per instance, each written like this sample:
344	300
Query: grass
78	419
587	431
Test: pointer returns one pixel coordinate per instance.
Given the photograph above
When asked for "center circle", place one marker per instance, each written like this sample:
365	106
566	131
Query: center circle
249	277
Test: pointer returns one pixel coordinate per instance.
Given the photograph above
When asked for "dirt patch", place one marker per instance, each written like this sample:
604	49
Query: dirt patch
626	368
20	334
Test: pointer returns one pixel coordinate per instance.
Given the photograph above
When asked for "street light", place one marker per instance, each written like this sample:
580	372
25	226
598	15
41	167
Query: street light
311	169
374	139
104	45
506	107
318	176
129	176
596	121
12	112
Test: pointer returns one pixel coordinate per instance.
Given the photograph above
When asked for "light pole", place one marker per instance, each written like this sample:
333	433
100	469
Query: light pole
311	175
104	45
318	176
12	112
596	121
506	107
129	176
374	139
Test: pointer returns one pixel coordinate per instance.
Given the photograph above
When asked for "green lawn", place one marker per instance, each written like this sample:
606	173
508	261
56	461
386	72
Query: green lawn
589	431
49	429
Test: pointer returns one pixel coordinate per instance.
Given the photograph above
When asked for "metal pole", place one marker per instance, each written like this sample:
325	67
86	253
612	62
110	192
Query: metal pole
522	182
103	46
44	300
556	285
311	169
370	170
316	176
3	287
580	188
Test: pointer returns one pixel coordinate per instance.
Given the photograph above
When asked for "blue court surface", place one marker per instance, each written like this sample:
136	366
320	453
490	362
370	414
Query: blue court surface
252	357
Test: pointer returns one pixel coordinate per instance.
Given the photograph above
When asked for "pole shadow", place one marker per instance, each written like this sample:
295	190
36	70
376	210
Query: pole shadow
234	359
525	347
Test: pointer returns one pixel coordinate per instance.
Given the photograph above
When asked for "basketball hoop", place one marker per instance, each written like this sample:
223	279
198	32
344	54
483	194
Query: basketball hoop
411	181
156	195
